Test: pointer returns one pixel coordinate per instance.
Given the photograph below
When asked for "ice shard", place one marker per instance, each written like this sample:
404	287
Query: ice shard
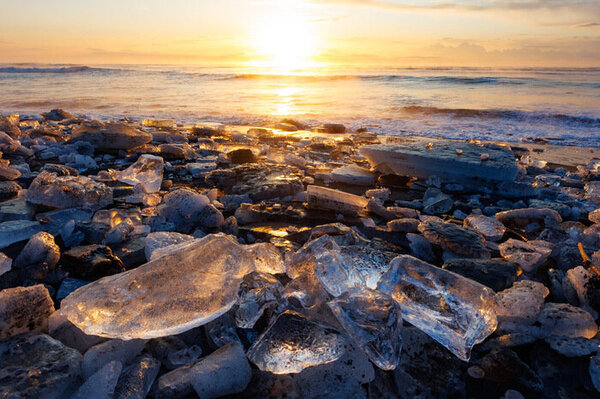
258	292
455	311
293	343
147	171
374	321
168	295
335	200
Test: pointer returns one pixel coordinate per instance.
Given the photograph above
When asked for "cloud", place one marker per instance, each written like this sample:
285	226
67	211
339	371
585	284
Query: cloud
468	5
588	25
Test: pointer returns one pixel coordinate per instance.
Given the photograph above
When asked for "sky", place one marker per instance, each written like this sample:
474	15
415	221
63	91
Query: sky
303	33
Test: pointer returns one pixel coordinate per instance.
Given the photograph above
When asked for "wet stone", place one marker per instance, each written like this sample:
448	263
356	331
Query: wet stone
565	320
14	231
528	255
489	228
459	240
9	189
495	274
504	367
68	192
91	262
38	366
110	136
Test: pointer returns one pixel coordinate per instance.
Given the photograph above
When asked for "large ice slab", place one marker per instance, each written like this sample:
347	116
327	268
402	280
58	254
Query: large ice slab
453	310
293	343
147	171
373	320
171	294
418	159
68	192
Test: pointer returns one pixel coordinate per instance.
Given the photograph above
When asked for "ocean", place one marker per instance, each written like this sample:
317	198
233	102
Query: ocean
561	106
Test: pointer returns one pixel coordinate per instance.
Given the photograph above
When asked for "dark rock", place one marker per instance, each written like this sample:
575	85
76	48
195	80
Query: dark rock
504	367
496	274
110	136
335	128
90	262
57	115
9	189
242	155
59	170
459	240
24	309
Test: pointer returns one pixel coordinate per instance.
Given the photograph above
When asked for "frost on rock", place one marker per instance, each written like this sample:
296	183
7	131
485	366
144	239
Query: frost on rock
68	192
146	171
168	295
293	343
453	310
373	320
489	228
525	254
564	320
521	303
258	292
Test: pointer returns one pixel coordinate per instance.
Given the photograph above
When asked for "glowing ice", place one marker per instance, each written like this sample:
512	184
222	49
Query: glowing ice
168	295
453	310
147	171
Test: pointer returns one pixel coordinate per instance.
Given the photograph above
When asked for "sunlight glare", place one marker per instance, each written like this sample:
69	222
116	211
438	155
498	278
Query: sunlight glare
284	40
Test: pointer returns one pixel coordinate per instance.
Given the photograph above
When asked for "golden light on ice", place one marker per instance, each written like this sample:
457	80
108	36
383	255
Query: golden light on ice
284	40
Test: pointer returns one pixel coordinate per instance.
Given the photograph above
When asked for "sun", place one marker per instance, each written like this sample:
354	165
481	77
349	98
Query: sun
284	41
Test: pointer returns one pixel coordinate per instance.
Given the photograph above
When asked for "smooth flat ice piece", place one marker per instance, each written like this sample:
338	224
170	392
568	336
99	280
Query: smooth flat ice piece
454	310
335	200
171	294
293	343
417	159
147	171
373	320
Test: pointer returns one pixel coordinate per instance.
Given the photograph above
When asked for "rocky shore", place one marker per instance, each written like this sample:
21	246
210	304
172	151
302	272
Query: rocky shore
151	259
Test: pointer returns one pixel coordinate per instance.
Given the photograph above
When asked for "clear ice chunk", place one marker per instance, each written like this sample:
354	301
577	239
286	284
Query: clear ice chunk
267	258
163	239
178	291
146	171
293	342
258	292
337	273
335	200
453	310
373	320
100	385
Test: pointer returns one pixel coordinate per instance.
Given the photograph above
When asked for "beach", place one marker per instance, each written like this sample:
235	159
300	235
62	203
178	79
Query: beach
151	257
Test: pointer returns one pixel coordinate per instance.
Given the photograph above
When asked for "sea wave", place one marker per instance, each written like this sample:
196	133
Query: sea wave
579	120
53	69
